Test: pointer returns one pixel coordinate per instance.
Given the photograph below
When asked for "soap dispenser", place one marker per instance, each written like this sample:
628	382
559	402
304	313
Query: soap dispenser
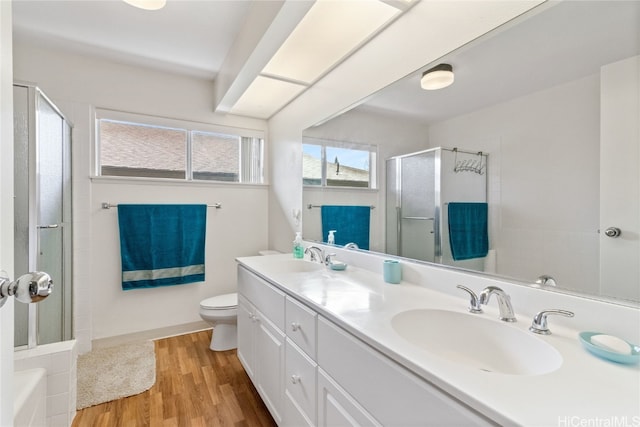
298	250
331	240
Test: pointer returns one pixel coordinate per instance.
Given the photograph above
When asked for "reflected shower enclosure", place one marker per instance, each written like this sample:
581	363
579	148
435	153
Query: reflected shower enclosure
43	239
419	188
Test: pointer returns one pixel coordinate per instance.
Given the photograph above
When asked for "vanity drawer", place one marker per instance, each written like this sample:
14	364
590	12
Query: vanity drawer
415	402
301	326
300	380
265	297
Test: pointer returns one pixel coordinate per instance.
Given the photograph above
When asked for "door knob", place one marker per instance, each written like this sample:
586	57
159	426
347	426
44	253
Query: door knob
612	232
30	287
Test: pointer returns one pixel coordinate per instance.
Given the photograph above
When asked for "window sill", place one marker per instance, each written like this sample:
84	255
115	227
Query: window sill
319	188
129	180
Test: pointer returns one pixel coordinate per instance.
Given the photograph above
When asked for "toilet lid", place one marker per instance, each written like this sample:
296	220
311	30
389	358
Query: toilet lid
220	301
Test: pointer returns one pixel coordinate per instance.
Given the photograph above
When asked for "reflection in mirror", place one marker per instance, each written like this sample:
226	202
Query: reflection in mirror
551	100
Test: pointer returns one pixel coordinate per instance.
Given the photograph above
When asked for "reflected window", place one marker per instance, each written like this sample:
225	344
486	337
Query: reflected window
338	164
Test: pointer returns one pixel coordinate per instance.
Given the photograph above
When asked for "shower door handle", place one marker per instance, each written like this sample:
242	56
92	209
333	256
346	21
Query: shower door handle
419	218
40	227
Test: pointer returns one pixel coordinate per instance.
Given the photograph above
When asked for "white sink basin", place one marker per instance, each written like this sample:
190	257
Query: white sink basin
477	342
295	266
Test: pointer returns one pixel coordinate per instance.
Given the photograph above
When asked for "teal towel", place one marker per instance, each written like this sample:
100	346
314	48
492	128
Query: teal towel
161	245
468	233
350	222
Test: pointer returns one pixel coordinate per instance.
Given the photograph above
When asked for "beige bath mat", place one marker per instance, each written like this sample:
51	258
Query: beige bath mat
111	373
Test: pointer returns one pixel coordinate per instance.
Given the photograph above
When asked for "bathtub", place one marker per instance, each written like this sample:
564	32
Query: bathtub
30	398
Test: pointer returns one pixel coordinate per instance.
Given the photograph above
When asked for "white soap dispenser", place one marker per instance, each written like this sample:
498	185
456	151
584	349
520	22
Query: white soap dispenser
331	240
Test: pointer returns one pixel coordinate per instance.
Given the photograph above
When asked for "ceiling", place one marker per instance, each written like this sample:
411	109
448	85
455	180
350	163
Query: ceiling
556	44
189	37
259	54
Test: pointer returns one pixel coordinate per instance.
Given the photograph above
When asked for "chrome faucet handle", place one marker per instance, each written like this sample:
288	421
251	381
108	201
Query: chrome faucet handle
474	303
539	324
504	302
315	254
327	259
545	280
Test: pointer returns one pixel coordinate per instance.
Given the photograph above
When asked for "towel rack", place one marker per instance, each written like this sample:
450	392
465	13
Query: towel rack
469	165
310	206
107	205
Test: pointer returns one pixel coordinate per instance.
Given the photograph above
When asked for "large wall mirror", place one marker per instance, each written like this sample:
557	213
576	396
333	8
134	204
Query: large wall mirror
544	114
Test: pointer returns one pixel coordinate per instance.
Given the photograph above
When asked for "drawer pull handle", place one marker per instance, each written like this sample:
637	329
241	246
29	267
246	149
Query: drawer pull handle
295	326
295	379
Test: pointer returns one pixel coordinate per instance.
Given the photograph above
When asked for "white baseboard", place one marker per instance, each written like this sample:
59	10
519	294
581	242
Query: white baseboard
152	334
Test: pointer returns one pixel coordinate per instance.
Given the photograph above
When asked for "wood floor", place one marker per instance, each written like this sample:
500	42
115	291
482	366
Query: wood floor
194	387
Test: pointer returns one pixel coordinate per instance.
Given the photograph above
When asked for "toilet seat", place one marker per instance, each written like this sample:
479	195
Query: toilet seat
220	302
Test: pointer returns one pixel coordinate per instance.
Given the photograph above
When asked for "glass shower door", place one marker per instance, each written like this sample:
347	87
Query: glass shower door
50	226
42	214
418	206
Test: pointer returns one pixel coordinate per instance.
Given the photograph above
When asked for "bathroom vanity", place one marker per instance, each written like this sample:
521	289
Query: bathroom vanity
334	348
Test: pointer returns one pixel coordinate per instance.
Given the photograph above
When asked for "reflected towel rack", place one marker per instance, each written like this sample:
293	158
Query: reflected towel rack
310	206
107	205
469	165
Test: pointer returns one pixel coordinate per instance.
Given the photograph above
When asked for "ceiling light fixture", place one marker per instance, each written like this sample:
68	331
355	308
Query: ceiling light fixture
147	4
437	77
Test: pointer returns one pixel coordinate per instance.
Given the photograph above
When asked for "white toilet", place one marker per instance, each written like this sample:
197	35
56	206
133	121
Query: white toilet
221	312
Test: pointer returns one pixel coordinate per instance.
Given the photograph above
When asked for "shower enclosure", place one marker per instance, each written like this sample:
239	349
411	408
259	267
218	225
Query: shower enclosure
419	187
42	206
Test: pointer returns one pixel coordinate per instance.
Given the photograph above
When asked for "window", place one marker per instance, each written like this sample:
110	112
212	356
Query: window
338	164
138	146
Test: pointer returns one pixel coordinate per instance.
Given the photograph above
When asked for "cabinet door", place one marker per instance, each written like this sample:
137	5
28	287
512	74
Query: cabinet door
246	323
269	358
300	381
336	408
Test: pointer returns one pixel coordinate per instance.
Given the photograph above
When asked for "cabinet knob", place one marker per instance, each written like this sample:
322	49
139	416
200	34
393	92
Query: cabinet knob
613	232
295	379
295	326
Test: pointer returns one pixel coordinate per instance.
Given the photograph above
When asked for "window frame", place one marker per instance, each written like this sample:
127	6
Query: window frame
323	143
189	128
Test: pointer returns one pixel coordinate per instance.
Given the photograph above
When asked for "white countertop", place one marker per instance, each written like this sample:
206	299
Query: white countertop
585	390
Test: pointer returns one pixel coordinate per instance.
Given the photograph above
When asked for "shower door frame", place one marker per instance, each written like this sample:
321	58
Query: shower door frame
437	235
34	97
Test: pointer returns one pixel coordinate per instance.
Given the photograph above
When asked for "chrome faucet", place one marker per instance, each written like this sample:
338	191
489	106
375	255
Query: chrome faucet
328	260
504	302
539	324
315	254
474	303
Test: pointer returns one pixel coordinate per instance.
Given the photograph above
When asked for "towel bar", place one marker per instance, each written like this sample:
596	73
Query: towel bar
310	206
107	205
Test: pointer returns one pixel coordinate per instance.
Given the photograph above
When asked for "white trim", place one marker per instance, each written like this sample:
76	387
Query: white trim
153	334
133	180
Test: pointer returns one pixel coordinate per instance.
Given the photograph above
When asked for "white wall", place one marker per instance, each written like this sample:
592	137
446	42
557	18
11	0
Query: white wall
543	180
392	137
428	31
239	228
620	178
77	84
